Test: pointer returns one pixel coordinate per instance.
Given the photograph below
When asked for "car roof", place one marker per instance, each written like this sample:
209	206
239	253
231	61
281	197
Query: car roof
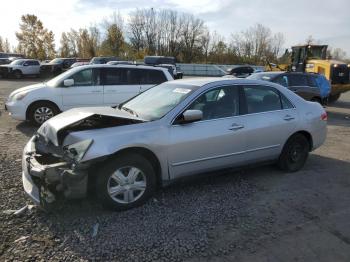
201	81
122	66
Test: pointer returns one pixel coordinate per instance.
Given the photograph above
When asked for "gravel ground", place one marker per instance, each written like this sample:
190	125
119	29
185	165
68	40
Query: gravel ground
254	214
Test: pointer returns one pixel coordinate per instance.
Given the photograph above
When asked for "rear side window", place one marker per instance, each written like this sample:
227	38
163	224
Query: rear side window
297	80
261	99
286	104
151	77
312	81
281	80
121	76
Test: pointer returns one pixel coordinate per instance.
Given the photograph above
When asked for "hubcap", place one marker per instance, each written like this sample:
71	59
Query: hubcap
126	184
42	114
296	153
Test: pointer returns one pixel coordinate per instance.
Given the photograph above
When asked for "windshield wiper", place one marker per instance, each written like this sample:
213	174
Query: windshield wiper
130	111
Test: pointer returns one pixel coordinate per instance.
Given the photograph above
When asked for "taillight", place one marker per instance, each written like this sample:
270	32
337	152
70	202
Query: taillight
324	116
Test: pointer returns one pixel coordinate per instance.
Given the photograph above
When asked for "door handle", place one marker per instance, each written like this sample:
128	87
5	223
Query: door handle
96	91
288	118
235	127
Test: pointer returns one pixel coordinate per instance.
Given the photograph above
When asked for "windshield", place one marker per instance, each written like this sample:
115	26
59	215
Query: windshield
17	62
316	52
154	103
56	61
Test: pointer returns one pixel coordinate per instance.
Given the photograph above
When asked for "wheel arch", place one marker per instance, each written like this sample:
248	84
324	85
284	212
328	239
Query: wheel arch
148	154
40	101
306	134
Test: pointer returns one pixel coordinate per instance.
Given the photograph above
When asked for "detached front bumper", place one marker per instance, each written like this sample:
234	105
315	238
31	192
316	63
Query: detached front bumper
43	183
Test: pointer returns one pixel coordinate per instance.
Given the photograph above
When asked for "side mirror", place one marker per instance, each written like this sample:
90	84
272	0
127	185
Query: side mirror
190	116
68	82
25	64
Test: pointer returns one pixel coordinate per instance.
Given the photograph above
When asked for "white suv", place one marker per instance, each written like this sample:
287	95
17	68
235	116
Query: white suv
21	67
84	86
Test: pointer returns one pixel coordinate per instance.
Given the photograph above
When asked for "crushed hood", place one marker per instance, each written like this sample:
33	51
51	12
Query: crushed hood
79	119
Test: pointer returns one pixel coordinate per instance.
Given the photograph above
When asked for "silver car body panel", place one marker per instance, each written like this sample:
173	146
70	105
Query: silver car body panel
192	148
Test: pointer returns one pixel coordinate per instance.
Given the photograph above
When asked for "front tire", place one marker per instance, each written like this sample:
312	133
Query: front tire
294	153
125	182
40	112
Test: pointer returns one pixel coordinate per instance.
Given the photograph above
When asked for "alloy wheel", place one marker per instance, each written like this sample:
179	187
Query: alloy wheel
41	114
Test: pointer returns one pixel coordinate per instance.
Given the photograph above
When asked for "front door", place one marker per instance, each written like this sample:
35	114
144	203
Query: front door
86	90
217	141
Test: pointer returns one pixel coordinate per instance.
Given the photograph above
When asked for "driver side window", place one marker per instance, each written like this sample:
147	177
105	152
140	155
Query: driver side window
83	78
218	103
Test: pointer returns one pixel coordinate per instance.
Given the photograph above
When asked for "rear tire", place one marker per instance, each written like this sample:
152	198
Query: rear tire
116	186
333	98
294	153
39	112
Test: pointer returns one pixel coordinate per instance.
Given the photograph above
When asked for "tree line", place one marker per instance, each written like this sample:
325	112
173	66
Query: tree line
152	32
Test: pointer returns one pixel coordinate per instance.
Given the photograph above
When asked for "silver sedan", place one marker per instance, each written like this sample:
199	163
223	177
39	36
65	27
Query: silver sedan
175	129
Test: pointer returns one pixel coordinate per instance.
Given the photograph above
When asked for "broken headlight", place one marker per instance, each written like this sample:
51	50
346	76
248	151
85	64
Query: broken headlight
77	150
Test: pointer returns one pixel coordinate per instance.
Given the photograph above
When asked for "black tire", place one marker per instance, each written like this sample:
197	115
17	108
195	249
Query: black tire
117	163
333	98
36	106
17	74
294	153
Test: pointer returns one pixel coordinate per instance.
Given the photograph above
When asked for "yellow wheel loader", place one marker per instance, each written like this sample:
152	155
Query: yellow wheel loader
313	58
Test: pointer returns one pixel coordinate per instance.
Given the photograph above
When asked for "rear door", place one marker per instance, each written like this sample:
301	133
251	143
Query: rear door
119	85
269	120
86	91
151	77
298	83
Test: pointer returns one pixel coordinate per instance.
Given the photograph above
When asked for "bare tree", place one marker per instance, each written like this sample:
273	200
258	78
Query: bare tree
136	30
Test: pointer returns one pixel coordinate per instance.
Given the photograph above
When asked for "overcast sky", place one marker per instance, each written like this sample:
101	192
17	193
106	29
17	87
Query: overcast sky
327	21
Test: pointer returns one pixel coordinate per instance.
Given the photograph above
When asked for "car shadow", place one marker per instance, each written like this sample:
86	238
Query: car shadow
26	128
184	211
341	104
338	118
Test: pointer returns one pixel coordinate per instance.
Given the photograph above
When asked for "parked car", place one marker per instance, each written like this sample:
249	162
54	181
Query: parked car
4	61
241	71
175	129
120	63
103	59
79	64
310	86
90	85
168	62
56	66
21	67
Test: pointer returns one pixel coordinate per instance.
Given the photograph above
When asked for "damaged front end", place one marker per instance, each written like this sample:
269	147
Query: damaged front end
49	171
52	168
